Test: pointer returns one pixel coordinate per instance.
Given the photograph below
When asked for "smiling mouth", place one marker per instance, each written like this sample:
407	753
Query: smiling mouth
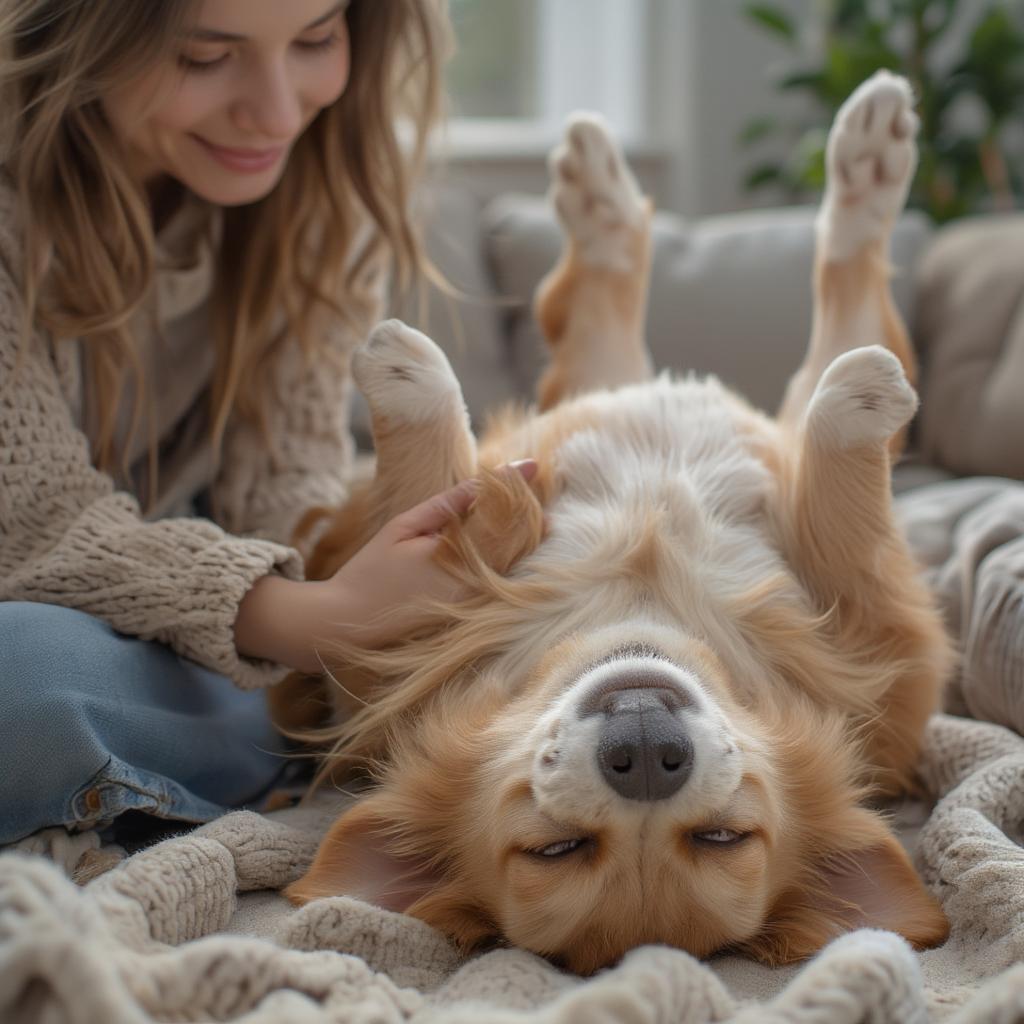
242	159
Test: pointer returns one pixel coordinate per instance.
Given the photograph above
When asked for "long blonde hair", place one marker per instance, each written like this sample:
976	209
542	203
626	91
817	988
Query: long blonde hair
284	263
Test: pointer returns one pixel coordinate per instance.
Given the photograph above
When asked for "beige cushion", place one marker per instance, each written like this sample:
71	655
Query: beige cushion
970	314
969	537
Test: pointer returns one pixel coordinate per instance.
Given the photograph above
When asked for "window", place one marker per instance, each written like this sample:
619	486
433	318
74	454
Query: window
494	73
523	65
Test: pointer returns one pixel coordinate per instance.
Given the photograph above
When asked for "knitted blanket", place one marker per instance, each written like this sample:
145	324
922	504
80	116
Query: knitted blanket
157	938
194	929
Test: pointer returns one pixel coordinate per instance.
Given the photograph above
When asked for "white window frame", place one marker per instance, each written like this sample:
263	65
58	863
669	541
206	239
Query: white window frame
575	39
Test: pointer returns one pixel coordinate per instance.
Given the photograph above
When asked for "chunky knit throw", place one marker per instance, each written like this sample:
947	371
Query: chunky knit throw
155	940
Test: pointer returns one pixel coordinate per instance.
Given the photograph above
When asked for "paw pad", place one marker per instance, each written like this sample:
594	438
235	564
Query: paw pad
596	196
863	397
871	158
404	375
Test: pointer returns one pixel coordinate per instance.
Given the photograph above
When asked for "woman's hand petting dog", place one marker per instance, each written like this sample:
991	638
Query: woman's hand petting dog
374	598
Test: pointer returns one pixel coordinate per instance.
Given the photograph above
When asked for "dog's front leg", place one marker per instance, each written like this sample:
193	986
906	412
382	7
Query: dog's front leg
591	305
421	430
423	446
871	156
841	490
840	536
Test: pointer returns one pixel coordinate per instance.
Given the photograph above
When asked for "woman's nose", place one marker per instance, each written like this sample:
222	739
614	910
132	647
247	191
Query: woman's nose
271	105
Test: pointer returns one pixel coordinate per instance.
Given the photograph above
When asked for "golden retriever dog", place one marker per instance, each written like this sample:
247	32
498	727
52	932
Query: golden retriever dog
694	647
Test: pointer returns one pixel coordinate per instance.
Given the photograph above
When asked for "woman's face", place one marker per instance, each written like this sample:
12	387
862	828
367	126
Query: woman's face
222	113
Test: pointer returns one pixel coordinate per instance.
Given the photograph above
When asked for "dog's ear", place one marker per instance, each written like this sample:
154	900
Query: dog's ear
362	856
449	910
873	885
505	522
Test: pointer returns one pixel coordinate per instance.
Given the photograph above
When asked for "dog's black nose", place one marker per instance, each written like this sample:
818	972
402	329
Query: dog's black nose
643	751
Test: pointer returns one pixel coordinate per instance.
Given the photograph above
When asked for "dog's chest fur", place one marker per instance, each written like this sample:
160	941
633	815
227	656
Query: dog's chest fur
671	451
660	515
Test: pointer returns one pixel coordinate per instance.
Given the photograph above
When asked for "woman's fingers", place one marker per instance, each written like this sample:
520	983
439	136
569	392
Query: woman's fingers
527	468
430	516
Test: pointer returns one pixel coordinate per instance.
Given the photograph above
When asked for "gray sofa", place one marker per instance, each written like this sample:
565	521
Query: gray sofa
731	295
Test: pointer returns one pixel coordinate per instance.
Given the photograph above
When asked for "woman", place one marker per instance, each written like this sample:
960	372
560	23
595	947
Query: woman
199	206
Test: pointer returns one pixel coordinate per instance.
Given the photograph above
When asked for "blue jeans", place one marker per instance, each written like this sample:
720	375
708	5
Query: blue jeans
94	723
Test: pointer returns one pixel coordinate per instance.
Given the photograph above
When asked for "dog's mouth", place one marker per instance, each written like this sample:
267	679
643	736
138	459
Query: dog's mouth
656	676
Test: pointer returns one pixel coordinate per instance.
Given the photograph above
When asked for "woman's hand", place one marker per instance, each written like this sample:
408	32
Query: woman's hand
371	600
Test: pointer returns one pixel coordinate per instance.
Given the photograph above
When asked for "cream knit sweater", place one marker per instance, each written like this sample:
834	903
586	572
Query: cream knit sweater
71	536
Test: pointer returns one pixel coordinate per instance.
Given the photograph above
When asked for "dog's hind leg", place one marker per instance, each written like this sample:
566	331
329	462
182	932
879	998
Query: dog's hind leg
840	536
591	305
421	430
846	412
871	156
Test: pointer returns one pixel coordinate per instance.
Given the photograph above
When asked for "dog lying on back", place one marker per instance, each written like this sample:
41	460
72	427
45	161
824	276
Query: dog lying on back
696	643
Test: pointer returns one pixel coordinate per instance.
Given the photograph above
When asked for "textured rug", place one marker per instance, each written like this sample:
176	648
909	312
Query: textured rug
193	930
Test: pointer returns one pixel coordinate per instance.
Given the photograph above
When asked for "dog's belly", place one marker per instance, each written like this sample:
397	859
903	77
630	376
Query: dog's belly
686	449
659	516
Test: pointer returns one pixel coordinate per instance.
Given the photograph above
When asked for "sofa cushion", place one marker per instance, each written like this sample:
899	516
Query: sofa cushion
968	535
970	317
729	295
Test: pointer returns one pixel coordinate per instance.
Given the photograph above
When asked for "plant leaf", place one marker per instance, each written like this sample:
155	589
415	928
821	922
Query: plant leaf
807	160
758	128
774	20
813	81
762	175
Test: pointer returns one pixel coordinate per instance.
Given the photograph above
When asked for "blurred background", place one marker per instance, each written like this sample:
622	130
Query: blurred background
723	105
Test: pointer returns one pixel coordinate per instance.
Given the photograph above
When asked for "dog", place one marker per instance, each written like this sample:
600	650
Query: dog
695	645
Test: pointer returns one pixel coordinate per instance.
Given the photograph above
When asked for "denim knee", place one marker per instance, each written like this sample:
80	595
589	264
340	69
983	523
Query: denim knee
49	749
44	652
94	723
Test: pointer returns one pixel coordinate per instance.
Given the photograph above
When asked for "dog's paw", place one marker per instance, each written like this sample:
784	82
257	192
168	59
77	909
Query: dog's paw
404	375
870	161
863	397
596	196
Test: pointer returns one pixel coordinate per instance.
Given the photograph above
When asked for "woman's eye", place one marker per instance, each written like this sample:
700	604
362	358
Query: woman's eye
561	848
323	43
720	836
201	63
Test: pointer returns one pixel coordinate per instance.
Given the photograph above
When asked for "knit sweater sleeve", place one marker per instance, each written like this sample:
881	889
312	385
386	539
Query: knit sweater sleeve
68	537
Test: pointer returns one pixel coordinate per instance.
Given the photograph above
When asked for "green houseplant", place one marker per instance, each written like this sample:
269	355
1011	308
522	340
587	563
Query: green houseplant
966	63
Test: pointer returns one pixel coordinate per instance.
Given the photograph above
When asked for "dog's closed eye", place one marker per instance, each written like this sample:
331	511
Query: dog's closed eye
563	847
720	837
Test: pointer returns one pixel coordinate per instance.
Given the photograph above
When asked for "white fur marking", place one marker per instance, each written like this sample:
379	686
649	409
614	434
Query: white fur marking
863	397
405	376
870	158
595	194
